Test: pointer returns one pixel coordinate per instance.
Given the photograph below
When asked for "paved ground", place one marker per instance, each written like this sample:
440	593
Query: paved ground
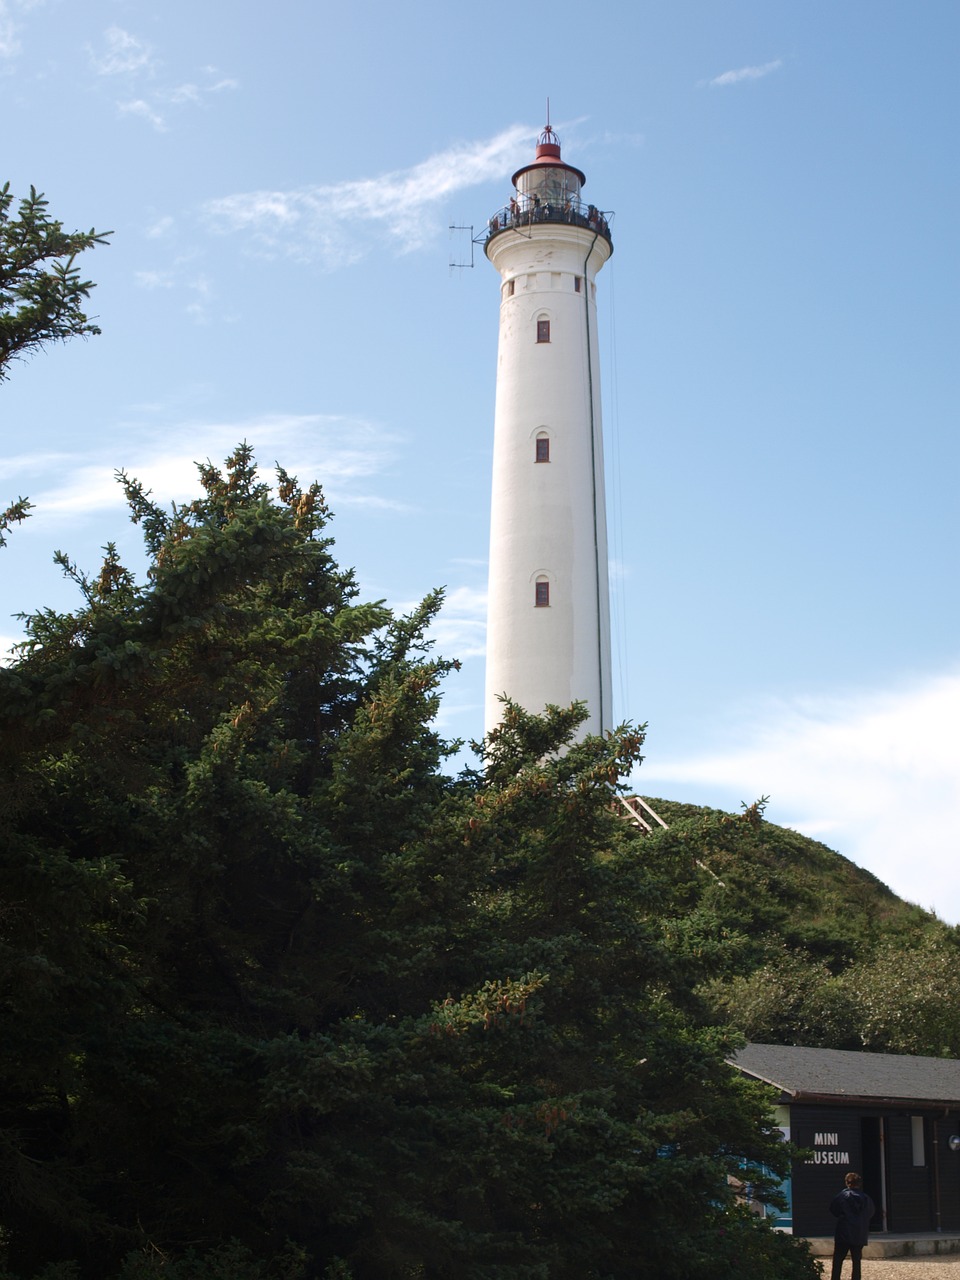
946	1267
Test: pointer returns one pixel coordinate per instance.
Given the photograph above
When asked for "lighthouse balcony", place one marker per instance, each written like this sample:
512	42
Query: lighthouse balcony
516	215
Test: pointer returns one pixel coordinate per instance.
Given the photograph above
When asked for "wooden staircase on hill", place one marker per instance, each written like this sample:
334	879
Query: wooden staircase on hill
640	814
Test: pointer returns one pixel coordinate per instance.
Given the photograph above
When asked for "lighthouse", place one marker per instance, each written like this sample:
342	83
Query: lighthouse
548	613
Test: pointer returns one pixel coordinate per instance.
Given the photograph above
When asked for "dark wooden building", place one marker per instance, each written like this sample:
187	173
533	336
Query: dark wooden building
889	1117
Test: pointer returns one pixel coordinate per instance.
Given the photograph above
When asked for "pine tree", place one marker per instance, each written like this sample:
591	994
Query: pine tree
280	998
42	293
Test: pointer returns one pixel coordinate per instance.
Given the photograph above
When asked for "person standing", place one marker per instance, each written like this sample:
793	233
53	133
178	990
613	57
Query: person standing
853	1210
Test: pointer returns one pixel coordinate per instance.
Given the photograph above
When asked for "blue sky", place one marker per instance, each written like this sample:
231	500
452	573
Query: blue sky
779	338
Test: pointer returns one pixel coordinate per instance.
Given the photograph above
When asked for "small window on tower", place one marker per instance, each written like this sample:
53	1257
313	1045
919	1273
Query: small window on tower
543	449
577	283
510	287
542	598
543	330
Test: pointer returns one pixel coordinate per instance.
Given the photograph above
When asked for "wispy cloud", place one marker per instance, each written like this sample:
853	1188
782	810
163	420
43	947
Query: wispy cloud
121	53
610	138
875	776
201	288
618	571
9	39
162	227
343	453
156	108
153	279
11	26
745	73
195	93
372	502
140	107
19	467
124	57
460	631
6	648
334	225
180	274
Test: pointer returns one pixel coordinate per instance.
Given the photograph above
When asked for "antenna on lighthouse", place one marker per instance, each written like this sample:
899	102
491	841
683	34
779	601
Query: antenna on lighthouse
461	266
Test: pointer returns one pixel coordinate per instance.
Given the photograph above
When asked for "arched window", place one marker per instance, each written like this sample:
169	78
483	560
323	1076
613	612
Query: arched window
543	330
542	448
542	593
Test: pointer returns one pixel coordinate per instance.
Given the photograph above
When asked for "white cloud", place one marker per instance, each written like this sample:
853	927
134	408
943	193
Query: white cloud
372	502
332	224
126	55
6	649
10	27
18	465
745	73
341	452
184	93
202	290
876	776
198	287
122	54
9	41
140	107
153	279
181	272
609	138
160	228
460	630
194	93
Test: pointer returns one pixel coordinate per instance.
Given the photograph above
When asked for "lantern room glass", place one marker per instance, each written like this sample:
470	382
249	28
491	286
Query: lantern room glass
553	185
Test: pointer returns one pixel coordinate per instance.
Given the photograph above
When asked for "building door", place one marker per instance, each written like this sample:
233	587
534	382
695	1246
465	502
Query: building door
948	1172
873	1157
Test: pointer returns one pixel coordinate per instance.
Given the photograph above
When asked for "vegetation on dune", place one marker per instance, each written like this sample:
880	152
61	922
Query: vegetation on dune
804	946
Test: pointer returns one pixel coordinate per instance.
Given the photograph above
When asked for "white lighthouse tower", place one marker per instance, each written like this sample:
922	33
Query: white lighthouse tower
548	619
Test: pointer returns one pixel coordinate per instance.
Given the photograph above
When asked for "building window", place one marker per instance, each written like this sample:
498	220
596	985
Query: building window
543	330
510	288
916	1141
543	449
577	283
542	597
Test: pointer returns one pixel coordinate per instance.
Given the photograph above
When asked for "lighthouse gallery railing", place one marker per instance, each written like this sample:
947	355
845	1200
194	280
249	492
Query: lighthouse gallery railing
516	215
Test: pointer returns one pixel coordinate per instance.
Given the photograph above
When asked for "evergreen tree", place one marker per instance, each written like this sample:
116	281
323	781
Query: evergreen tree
280	999
42	293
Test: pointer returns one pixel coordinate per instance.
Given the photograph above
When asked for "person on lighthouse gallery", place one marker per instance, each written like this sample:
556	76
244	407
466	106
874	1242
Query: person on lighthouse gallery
853	1209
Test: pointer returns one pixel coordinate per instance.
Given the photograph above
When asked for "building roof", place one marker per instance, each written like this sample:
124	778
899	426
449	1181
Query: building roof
838	1075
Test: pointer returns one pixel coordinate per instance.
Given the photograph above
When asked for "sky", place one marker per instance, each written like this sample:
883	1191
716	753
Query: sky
779	330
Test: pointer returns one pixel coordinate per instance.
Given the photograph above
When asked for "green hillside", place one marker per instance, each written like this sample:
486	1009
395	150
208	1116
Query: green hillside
798	945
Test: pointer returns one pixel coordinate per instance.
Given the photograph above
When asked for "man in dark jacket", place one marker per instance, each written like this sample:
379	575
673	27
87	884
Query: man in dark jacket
853	1210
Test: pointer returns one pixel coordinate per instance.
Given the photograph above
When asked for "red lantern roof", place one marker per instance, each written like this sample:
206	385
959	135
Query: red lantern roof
548	155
